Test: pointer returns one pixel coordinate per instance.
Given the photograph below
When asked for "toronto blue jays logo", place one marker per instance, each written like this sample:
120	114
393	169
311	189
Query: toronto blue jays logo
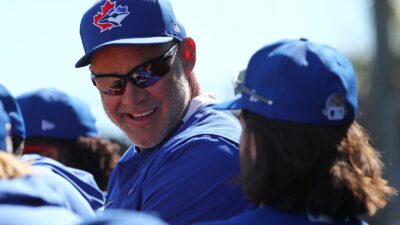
110	16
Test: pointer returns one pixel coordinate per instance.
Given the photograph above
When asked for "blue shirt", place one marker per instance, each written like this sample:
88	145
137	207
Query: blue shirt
43	215
82	181
189	178
124	217
271	216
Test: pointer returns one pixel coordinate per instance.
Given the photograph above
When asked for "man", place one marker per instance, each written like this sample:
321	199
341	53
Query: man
185	155
305	160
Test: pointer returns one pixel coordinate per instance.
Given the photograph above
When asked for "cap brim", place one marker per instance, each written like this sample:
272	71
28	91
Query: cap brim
234	104
85	60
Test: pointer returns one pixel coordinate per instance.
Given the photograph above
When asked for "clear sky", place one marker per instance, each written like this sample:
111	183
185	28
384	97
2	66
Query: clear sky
40	42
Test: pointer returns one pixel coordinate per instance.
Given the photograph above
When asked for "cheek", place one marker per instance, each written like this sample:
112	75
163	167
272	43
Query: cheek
109	104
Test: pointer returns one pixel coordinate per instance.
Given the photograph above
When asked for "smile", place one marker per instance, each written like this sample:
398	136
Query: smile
141	115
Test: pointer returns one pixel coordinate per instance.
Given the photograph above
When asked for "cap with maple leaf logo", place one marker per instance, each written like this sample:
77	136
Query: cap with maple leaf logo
127	22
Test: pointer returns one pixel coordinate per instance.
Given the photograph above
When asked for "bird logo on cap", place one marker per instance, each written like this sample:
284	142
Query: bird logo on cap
110	16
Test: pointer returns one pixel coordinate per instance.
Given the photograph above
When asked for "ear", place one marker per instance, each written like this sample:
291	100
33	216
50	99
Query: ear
188	54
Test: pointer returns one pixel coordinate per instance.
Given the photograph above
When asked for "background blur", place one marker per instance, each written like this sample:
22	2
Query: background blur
40	43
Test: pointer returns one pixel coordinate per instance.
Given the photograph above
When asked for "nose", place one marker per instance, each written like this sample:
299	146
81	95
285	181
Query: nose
133	95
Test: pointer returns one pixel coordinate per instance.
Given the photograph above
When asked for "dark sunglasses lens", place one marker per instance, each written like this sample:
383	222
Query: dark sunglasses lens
111	85
151	73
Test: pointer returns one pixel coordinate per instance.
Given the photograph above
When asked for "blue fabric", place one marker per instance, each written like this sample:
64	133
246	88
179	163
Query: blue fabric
43	189
43	215
49	112
124	217
12	109
299	81
138	22
80	180
190	178
270	216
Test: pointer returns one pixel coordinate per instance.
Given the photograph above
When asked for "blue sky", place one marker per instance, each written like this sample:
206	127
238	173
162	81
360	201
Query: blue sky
40	41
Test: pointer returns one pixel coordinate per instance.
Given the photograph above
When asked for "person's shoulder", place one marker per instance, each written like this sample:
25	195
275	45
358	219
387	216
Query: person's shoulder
81	180
203	146
206	120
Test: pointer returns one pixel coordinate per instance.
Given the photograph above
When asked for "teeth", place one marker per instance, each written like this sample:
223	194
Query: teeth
143	113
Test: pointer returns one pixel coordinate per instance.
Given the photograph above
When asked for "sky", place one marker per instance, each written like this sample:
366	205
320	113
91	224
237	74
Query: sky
40	42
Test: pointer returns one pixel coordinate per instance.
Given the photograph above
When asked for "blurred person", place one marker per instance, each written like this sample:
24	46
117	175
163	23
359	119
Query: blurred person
54	121
17	123
185	154
304	157
27	197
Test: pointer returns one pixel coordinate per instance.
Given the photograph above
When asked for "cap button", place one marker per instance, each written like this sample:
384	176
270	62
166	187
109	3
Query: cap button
303	39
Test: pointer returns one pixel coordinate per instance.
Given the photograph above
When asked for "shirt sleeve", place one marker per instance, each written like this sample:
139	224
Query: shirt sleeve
196	181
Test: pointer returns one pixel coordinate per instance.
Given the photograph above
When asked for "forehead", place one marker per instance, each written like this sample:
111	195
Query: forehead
125	50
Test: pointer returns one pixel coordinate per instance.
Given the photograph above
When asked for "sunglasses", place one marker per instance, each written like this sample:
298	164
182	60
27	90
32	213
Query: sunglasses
240	88
142	76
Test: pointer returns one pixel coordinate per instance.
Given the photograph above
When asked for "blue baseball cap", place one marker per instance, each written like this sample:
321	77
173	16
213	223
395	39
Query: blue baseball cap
11	107
4	130
298	81
127	22
49	112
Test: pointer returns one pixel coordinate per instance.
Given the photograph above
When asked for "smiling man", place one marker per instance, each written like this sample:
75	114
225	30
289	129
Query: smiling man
185	155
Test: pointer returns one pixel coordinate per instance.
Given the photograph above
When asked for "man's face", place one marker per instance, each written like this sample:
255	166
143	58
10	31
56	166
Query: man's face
146	115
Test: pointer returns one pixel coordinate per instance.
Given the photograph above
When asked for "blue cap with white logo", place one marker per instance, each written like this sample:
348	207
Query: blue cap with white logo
49	112
127	22
299	81
12	109
4	130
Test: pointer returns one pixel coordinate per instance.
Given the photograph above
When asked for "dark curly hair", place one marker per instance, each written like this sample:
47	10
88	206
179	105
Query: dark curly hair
97	156
331	170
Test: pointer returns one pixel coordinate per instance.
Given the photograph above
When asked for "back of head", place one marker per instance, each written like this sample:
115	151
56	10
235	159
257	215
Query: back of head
5	126
299	81
51	113
299	101
54	120
17	123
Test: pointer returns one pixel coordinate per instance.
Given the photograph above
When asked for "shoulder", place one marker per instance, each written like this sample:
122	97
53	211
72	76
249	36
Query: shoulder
81	180
206	120
202	149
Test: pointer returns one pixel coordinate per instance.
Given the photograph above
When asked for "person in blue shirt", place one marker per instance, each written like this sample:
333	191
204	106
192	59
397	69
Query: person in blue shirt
304	158
185	156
